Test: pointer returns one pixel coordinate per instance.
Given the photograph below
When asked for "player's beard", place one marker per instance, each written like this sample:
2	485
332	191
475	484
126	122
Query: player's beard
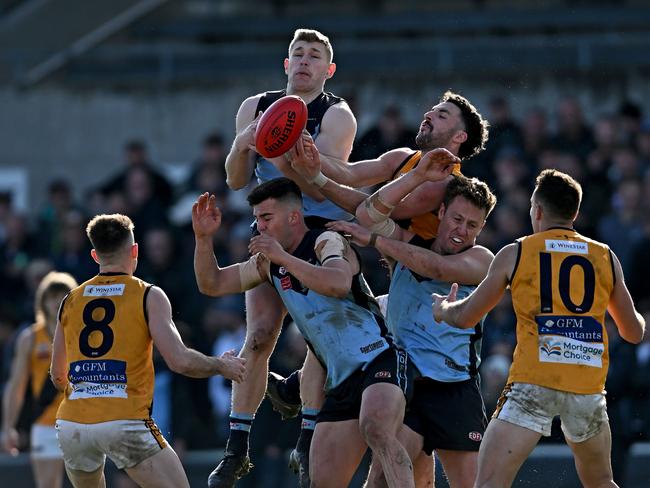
429	141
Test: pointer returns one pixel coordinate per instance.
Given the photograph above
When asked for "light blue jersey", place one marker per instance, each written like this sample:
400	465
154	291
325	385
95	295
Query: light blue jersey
439	351
346	334
265	171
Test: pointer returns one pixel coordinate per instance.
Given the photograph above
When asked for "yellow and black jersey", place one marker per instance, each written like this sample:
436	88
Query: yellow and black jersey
109	350
426	225
46	398
561	287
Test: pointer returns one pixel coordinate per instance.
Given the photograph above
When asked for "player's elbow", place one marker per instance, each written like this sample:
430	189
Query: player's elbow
59	380
179	363
235	183
342	287
634	336
207	287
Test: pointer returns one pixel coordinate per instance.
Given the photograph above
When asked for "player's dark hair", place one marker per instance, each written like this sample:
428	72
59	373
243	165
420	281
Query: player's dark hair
558	193
282	189
53	283
311	35
109	233
472	189
476	126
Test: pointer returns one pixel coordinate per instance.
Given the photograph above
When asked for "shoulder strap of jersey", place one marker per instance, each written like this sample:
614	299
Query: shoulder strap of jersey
407	159
514	269
330	99
267	99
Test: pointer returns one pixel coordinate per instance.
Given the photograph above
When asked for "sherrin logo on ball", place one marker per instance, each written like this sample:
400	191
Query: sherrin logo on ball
280	126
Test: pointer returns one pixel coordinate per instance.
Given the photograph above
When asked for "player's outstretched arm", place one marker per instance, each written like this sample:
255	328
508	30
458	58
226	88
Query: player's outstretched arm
211	279
630	323
176	354
14	391
241	158
432	171
466	313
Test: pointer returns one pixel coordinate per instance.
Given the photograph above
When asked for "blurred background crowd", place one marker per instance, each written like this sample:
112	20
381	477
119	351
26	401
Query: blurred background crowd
563	85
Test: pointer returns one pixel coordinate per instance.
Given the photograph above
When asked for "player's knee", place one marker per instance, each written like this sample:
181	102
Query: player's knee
260	341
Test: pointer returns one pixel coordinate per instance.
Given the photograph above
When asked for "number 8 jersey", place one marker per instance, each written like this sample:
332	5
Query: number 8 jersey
109	350
561	286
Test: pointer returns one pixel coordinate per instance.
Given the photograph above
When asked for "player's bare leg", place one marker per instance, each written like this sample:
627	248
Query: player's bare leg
593	459
336	452
85	479
162	470
264	314
381	417
422	464
424	471
460	467
504	449
48	473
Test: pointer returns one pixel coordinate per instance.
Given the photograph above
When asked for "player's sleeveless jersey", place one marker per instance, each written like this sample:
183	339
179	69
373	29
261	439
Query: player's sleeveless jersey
47	398
426	225
439	351
109	350
265	171
345	334
560	290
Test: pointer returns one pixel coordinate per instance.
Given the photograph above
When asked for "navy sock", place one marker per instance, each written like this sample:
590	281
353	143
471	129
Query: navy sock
240	426
307	429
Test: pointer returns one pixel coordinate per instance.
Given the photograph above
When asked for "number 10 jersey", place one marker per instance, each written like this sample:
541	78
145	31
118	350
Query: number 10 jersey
108	349
561	286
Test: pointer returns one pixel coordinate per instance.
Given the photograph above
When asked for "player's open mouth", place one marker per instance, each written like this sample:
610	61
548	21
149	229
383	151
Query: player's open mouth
456	240
426	125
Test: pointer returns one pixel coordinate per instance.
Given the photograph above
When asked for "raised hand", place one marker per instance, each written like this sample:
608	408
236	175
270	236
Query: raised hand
440	303
305	158
436	165
246	138
267	246
206	216
360	235
232	366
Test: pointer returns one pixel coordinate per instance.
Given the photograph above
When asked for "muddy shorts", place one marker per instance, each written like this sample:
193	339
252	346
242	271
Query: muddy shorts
533	407
126	442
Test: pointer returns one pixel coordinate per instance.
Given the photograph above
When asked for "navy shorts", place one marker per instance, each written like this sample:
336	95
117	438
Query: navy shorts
448	415
344	401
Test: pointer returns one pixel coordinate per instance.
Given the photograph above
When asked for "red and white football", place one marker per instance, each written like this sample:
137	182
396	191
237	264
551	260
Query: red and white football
280	126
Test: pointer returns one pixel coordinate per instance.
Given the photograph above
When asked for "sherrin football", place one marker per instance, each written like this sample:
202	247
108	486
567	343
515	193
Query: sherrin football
280	126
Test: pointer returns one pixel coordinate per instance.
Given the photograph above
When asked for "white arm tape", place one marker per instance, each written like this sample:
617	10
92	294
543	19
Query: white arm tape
330	245
375	215
250	272
384	228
